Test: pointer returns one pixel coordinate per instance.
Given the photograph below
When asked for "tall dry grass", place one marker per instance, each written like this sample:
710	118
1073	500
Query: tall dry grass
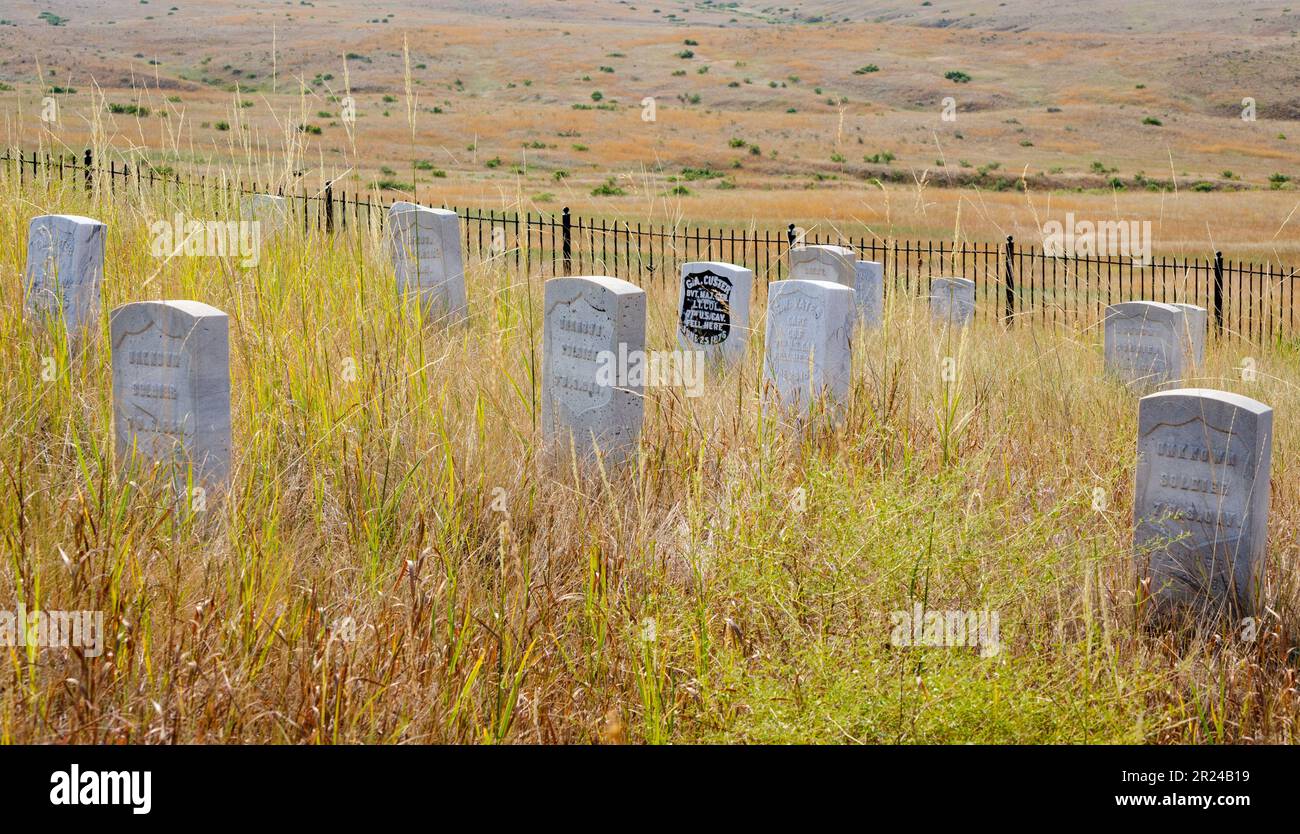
694	596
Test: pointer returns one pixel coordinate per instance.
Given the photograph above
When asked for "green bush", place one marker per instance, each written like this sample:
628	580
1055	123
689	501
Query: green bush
129	109
609	188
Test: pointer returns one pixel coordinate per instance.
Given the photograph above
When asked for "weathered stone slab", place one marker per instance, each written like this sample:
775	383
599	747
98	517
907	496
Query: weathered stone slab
1145	343
822	262
869	289
591	326
426	252
1201	498
171	387
713	309
65	269
1196	321
809	327
952	300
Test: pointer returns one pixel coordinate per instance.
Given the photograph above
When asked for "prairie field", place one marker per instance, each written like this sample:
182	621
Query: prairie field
829	115
397	560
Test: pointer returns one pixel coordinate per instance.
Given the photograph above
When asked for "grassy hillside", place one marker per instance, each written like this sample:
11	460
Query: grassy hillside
826	112
395	561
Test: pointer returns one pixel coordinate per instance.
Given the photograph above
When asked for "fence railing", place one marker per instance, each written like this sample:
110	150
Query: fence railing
1014	283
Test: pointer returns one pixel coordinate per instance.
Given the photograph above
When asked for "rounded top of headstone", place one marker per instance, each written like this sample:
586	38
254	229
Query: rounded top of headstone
793	284
951	279
614	285
403	206
834	247
193	309
1225	397
813	248
696	266
1138	307
66	218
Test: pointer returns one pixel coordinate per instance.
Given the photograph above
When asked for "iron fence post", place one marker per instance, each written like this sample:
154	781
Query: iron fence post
1218	293
566	241
1009	308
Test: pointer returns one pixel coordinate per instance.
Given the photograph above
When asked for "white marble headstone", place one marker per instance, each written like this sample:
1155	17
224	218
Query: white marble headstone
713	309
425	245
807	354
593	386
1201	497
869	286
1145	343
1196	321
171	387
822	262
952	300
65	268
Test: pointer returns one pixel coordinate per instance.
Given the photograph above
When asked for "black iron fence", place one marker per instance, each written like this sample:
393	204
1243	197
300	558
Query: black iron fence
1245	300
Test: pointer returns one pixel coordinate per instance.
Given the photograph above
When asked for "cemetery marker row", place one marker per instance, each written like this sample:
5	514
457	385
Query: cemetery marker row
1201	485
